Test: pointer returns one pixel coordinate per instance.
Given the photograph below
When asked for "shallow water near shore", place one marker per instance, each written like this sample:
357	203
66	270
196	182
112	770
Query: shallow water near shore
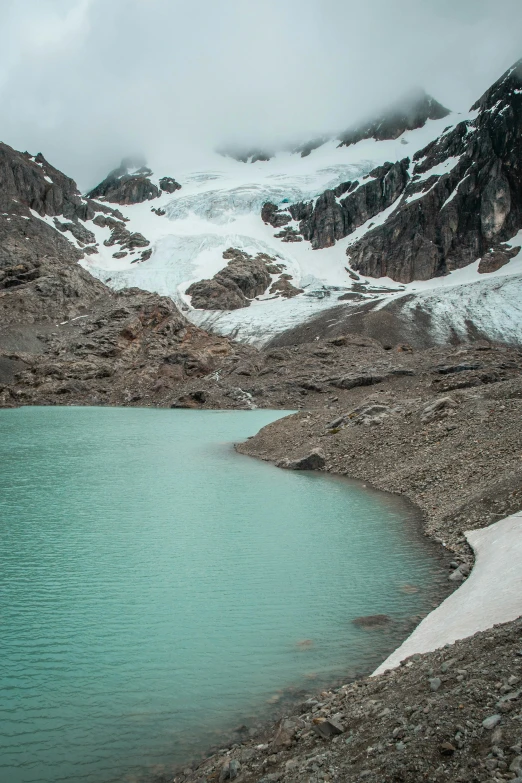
157	589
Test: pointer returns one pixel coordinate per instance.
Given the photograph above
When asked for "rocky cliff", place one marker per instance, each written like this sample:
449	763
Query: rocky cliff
333	217
458	200
40	278
130	184
464	198
413	111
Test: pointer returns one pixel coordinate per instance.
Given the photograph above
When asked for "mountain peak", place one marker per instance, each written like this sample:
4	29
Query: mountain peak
502	90
409	112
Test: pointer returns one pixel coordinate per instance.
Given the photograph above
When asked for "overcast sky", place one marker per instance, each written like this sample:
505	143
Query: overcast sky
88	81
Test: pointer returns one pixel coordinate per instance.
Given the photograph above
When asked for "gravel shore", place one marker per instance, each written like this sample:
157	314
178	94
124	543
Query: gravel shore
452	444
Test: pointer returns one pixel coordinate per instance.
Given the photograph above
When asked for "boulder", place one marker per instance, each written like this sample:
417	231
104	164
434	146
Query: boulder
353	380
495	259
326	728
371	621
314	460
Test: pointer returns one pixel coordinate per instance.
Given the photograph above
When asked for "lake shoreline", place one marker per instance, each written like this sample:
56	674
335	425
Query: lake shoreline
440	446
454	453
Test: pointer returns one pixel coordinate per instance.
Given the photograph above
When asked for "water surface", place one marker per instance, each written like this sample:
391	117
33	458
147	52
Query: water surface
157	589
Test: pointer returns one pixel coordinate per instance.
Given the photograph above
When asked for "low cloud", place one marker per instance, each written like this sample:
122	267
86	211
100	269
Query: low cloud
88	81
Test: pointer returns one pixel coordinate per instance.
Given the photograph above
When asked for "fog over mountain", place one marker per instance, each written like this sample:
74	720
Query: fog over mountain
86	81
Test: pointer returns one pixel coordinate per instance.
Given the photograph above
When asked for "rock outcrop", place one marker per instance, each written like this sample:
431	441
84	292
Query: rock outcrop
409	113
122	187
169	184
464	198
332	217
243	278
283	287
240	281
273	215
130	184
29	184
457	201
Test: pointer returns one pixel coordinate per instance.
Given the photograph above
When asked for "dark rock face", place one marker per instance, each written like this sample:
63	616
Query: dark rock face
246	154
130	184
120	187
289	234
40	279
407	115
243	278
169	184
276	217
284	287
468	206
332	218
496	259
30	182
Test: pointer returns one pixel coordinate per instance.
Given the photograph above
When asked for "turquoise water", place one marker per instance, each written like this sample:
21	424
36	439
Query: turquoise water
158	589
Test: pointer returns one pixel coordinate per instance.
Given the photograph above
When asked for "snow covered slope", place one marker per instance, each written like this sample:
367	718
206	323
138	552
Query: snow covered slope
219	207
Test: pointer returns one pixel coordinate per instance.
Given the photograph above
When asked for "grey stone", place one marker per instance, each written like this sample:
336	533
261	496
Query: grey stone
491	721
314	460
435	683
372	621
327	728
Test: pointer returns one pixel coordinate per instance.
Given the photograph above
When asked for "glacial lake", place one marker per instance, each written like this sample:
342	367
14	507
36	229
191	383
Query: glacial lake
158	590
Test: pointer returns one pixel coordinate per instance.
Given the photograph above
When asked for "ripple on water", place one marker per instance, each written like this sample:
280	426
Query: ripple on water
158	589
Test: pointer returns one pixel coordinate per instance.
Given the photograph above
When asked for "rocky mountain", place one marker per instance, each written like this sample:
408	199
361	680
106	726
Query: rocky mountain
333	217
409	112
64	335
457	200
415	194
412	111
130	183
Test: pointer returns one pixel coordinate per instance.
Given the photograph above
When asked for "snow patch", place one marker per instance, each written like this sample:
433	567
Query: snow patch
491	594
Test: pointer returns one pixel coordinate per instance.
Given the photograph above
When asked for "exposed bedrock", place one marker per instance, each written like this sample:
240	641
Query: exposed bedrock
169	184
468	206
30	182
273	215
243	278
411	113
124	185
120	187
332	217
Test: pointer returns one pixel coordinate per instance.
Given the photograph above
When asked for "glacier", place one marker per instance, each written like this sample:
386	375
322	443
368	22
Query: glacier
220	207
